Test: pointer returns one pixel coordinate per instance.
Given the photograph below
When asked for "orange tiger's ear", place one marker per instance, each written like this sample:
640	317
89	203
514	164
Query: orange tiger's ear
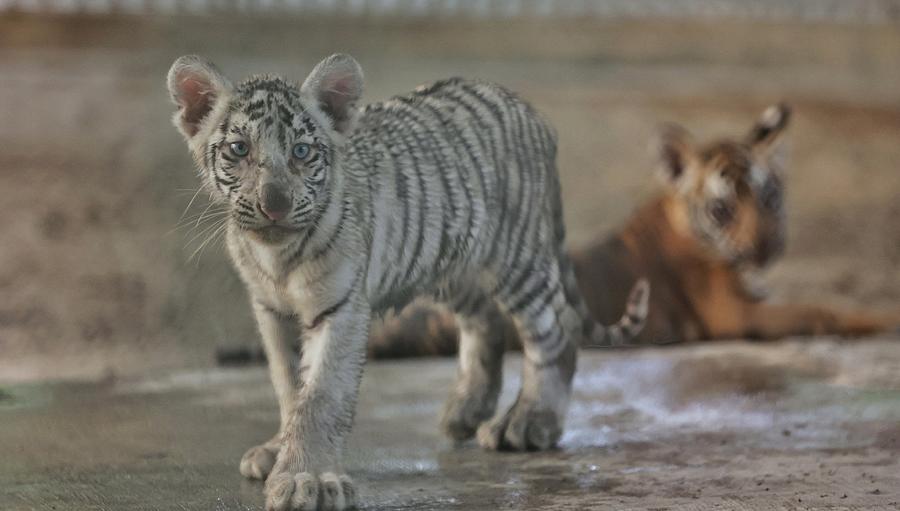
768	137
675	150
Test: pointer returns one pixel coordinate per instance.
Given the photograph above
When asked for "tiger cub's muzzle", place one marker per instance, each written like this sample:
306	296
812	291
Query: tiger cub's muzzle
274	203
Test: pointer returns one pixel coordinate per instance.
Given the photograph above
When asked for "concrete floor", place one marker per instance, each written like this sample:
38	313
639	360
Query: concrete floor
725	426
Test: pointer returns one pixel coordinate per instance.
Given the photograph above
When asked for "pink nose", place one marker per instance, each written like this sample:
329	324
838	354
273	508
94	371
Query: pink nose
273	202
274	215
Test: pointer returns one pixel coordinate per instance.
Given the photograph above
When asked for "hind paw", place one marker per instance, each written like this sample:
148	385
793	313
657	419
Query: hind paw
463	414
522	428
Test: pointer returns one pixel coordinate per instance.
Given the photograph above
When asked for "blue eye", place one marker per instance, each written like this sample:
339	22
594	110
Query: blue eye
301	151
239	149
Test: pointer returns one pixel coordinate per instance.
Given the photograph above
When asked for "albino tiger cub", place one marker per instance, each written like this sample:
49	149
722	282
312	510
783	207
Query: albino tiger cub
338	214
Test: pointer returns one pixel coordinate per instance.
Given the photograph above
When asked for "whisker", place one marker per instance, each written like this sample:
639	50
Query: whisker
195	216
190	203
211	204
189	222
199	250
204	231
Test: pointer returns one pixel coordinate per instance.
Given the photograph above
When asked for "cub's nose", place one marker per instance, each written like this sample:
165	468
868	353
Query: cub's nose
273	202
768	249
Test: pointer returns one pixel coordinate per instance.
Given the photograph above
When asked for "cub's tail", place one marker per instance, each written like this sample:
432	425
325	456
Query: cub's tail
629	325
596	335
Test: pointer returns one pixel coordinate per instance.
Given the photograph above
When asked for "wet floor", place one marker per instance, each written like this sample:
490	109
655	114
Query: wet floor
749	426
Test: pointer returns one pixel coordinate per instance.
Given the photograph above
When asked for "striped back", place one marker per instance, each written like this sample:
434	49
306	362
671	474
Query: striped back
463	186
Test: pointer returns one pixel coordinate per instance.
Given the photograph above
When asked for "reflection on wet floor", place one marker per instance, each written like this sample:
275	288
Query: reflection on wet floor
801	424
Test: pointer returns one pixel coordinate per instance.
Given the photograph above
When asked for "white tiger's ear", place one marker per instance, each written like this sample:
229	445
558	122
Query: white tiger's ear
336	84
675	150
195	86
768	137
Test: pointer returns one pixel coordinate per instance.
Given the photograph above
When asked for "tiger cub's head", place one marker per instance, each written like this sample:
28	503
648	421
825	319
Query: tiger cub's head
267	147
729	193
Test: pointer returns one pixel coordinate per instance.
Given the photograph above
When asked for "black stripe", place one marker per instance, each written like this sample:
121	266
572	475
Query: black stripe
523	130
400	196
336	232
255	105
276	312
512	287
529	298
543	340
322	316
516	226
527	295
402	193
287	117
301	247
437	86
420	182
224	185
531	224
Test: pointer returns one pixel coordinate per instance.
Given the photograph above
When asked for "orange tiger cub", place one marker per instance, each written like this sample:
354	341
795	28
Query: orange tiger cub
720	218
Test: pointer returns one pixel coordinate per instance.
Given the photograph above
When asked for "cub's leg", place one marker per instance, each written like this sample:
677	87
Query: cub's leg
308	473
772	321
550	330
279	334
479	378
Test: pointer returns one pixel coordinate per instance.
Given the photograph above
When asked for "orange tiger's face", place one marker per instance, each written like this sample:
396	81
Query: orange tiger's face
731	192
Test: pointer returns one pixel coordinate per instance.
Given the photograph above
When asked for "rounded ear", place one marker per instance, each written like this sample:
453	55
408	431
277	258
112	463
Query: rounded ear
195	85
768	137
675	150
336	84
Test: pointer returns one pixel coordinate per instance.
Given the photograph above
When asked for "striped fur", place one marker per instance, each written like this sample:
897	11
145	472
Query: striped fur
449	192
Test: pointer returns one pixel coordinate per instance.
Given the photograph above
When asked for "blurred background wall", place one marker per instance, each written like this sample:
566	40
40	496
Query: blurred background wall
102	271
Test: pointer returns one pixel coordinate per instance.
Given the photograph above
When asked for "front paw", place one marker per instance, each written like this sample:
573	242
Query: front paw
307	491
258	461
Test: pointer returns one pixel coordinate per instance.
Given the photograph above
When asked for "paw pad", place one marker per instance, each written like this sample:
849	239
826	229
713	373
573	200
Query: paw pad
307	492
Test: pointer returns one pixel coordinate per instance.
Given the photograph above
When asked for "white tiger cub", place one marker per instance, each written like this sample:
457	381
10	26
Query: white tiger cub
336	214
